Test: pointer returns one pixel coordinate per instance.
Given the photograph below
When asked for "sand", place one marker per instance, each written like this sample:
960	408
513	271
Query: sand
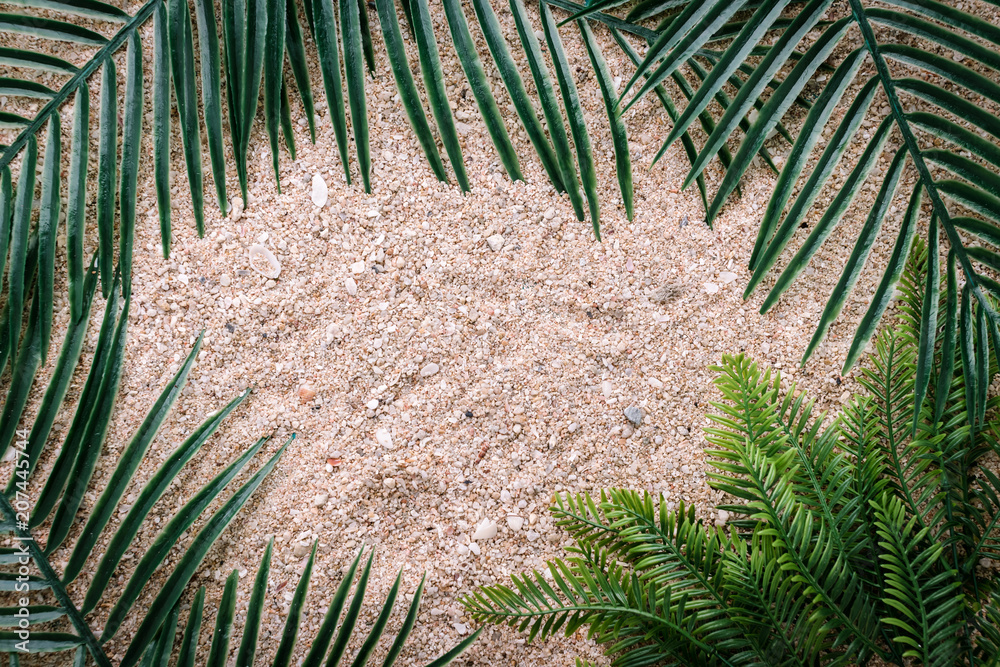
499	374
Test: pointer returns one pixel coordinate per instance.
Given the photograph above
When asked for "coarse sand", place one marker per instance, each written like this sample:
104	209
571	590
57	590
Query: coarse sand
443	358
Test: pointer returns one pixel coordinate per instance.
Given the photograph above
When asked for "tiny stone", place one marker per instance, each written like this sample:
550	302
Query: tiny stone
573	428
352	287
727	277
462	551
384	438
389	483
225	281
429	370
845	397
300	550
486	530
320	500
358	267
681	430
515	522
372	404
505	496
495	242
532	536
655	384
474	548
634	415
606	388
711	288
306	393
319	191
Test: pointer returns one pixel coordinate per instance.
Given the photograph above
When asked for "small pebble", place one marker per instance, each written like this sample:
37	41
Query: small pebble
320	192
681	430
320	500
225	280
474	548
727	277
655	384
301	550
372	404
384	438
515	522
358	267
429	370
306	393
711	288
532	536
389	483
495	242
352	287
634	414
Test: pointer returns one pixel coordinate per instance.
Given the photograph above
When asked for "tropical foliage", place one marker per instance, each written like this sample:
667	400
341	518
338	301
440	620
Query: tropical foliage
43	505
911	83
870	536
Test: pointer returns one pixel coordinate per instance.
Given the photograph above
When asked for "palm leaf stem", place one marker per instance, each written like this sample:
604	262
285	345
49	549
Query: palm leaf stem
81	76
913	147
9	516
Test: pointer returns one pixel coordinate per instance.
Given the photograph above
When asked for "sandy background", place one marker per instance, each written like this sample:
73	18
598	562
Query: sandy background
539	347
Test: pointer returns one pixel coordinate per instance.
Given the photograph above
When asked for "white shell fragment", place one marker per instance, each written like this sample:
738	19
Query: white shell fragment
264	262
487	530
320	192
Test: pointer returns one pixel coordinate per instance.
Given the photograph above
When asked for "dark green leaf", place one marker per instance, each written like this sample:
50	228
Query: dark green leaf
92	440
255	609
77	201
192	558
325	635
219	653
480	86
329	62
574	114
550	107
430	67
274	64
48	222
189	644
211	96
147	497
623	163
893	270
283	656
107	164
131	149
43	28
300	68
406	86
128	463
186	96
497	44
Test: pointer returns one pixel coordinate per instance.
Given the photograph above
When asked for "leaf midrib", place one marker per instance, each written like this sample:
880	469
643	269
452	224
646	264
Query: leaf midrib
896	109
81	76
72	613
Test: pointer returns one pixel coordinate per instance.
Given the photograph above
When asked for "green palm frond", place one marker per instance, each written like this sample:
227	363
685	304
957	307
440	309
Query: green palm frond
915	112
862	540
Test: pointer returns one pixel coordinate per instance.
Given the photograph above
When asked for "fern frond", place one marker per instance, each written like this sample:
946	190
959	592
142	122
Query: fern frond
923	593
